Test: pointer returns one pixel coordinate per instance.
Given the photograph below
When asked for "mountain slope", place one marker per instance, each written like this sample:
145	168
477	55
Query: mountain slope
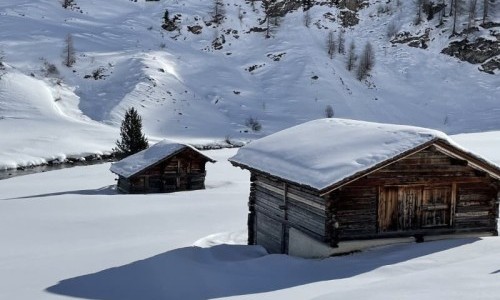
186	89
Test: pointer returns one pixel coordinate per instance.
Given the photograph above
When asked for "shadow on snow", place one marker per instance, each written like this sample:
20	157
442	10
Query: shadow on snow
105	190
230	270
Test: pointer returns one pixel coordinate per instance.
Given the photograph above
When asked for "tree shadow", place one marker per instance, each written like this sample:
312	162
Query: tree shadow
105	190
231	270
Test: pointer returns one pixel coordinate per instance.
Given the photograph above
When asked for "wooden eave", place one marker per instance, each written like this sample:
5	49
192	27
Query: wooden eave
473	161
167	158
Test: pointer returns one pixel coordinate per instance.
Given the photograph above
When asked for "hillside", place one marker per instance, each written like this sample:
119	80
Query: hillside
188	87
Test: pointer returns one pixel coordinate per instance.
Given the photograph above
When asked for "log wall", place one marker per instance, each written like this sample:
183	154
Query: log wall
445	194
275	207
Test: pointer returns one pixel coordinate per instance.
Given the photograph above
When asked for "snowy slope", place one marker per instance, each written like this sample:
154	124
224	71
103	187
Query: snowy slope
187	90
71	235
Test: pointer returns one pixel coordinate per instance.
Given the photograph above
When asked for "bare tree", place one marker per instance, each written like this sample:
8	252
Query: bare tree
341	42
456	13
366	62
442	14
330	44
69	57
351	57
486	6
218	11
472	13
272	18
307	18
419	4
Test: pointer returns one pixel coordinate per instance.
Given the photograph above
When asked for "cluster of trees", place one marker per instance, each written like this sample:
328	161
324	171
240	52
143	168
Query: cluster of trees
362	64
455	9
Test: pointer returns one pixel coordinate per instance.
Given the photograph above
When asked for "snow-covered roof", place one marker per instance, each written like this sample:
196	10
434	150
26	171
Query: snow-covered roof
324	152
138	162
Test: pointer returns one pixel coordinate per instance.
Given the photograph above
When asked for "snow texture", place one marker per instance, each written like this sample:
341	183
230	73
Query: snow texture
323	152
186	90
71	235
136	163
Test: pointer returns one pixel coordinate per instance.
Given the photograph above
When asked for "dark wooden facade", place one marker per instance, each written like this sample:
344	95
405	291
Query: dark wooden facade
433	190
182	171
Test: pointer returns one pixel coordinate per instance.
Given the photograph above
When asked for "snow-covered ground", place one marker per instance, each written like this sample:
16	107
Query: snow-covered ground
187	90
68	234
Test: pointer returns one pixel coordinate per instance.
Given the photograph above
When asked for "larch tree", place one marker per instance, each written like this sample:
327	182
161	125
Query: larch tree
69	57
132	138
341	42
330	44
366	62
472	13
218	11
456	7
351	57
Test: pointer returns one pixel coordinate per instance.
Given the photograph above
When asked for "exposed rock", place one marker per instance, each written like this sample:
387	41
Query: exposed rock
348	18
277	56
254	67
432	9
257	29
417	41
195	29
490	25
281	8
218	42
171	25
475	52
490	66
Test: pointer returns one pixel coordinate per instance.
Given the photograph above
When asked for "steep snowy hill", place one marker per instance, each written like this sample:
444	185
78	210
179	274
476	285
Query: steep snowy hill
203	82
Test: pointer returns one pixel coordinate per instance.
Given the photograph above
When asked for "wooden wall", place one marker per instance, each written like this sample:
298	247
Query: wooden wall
276	206
425	193
183	171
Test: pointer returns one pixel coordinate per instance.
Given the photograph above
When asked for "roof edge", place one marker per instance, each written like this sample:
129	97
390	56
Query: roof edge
377	167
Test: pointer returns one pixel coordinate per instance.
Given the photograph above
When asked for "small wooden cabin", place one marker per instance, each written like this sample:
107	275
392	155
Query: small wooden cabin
334	185
164	167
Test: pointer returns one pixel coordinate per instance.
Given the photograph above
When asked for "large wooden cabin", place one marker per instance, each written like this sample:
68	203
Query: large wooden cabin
332	186
164	167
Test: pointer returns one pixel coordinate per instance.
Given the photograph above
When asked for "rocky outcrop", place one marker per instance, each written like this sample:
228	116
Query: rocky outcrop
416	41
481	51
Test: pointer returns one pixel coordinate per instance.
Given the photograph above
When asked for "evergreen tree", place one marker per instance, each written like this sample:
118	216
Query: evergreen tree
132	138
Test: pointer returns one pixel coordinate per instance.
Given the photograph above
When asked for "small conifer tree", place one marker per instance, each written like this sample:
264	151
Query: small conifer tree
132	138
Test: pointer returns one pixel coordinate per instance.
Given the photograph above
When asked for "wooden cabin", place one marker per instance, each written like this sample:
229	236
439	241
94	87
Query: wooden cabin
333	186
163	168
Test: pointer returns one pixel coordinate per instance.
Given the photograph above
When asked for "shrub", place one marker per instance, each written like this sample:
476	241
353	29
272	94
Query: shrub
253	124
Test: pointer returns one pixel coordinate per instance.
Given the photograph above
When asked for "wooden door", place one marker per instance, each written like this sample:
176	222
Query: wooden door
407	208
436	206
409	203
387	209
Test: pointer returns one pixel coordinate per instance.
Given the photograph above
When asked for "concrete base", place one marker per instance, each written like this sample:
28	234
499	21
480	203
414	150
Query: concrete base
302	245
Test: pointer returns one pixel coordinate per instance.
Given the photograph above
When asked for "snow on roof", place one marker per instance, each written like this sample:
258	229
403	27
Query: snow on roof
323	152
136	163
